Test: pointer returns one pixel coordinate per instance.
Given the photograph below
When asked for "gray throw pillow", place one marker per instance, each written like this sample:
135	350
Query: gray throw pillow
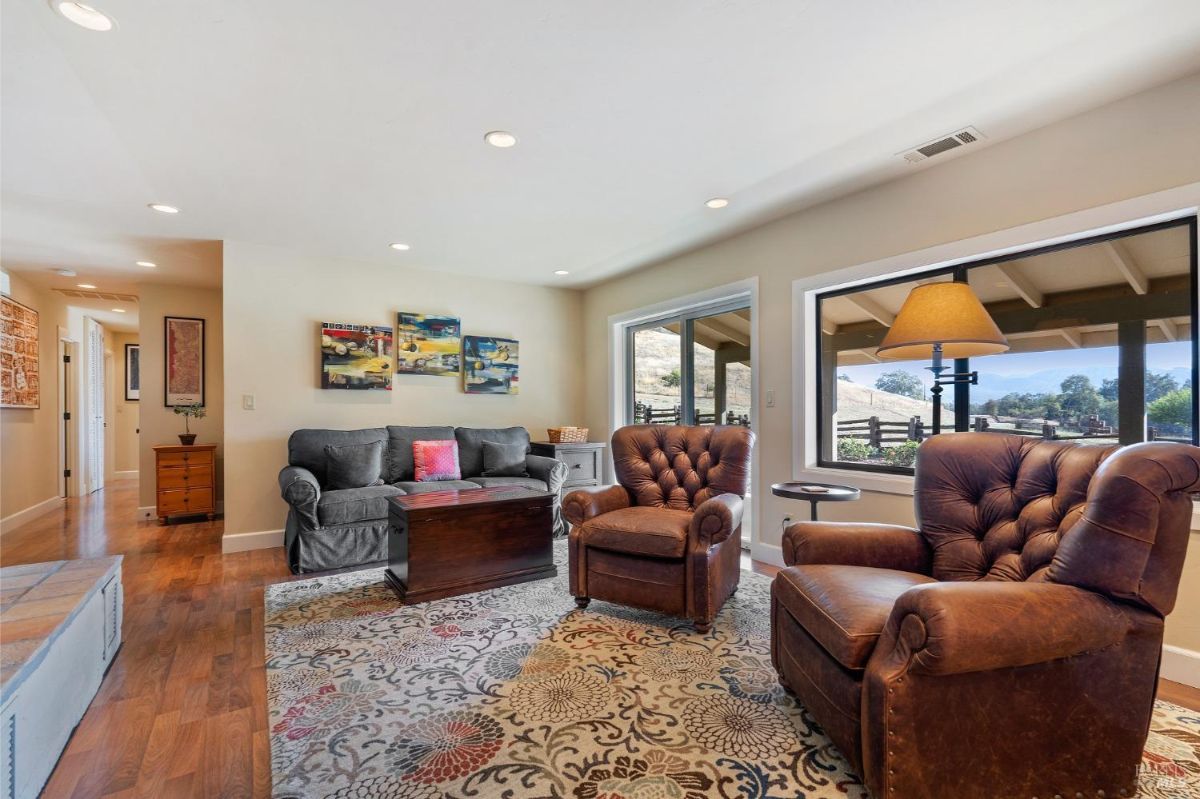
353	465
503	460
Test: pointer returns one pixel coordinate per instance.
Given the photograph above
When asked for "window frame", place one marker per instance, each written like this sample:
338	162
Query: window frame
1189	221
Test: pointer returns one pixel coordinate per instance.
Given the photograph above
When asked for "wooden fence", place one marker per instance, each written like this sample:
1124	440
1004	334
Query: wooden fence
880	432
648	414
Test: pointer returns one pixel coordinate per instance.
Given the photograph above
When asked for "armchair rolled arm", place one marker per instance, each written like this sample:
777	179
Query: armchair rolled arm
880	546
550	471
959	627
585	503
301	490
715	519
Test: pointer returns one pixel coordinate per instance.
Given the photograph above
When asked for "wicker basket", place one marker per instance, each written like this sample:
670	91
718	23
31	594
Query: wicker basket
567	435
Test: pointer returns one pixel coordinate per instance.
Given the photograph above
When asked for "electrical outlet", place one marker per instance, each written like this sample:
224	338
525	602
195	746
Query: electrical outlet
247	402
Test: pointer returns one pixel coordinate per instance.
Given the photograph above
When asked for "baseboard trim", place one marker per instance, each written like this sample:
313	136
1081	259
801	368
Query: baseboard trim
126	475
767	553
1180	665
244	542
23	517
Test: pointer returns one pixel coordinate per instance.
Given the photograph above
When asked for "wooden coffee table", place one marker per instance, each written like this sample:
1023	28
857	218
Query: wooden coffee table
446	543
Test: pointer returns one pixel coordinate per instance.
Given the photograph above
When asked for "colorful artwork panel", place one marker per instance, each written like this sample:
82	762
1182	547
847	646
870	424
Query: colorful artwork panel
489	365
427	345
133	372
184	349
20	380
356	356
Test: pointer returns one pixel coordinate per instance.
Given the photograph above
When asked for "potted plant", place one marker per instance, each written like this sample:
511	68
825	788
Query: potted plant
193	411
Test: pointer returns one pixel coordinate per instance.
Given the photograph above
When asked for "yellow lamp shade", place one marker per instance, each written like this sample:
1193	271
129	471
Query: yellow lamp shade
942	313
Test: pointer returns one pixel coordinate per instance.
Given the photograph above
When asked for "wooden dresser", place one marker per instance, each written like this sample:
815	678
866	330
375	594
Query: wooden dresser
185	480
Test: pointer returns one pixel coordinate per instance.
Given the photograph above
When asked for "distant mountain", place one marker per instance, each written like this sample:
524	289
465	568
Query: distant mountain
1049	381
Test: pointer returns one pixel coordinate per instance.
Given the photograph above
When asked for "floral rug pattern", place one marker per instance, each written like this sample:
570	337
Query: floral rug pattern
515	693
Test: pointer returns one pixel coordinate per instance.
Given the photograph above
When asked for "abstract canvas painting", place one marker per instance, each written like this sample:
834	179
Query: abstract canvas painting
20	385
184	349
489	365
427	345
356	356
133	372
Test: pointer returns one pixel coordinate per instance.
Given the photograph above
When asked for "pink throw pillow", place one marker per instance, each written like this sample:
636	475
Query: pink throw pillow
435	460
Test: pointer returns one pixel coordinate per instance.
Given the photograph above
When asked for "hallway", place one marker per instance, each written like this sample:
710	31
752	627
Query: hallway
182	712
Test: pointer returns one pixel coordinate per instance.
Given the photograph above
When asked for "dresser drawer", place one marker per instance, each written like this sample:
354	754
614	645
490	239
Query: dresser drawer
175	477
185	458
582	465
188	500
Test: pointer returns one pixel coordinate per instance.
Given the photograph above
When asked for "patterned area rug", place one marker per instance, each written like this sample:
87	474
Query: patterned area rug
515	693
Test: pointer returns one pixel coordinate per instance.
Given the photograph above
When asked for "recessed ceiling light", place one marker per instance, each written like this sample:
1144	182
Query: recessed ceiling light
561	272
85	285
399	245
65	272
118	310
717	202
164	209
84	16
147	264
500	138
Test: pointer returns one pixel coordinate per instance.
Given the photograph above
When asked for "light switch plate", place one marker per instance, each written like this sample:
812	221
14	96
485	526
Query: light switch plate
247	402
770	398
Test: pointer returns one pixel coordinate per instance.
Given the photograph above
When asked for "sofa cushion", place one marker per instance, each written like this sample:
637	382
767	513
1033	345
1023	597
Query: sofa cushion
657	532
470	445
306	448
435	461
524	482
355	504
844	608
398	462
504	460
413	487
353	465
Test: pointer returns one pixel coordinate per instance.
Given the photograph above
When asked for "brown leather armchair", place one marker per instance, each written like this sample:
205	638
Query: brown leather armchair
668	537
1009	647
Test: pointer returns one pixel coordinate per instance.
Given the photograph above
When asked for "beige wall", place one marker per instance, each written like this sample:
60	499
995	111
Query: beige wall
29	468
1087	161
124	419
158	423
274	302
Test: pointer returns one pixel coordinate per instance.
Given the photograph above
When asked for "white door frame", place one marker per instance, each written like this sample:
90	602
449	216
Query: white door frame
68	429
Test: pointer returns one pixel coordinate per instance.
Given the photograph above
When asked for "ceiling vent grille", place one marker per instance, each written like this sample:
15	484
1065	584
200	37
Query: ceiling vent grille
97	295
941	145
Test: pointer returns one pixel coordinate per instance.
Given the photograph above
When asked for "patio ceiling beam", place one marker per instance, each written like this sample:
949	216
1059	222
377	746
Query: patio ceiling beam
1169	329
1125	265
1022	285
872	309
1073	336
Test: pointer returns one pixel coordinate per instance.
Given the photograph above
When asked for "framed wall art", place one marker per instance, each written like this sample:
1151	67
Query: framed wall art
489	365
427	345
356	356
184	350
20	380
133	372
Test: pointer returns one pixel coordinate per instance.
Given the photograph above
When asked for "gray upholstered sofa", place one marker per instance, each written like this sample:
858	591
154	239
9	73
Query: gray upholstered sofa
329	529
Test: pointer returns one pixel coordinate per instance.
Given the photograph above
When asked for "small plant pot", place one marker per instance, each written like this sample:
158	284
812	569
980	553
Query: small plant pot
187	439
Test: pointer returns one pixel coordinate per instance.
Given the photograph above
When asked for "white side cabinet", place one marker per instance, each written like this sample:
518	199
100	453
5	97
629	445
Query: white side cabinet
64	621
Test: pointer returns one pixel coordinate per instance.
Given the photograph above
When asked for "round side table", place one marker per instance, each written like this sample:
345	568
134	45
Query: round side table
815	492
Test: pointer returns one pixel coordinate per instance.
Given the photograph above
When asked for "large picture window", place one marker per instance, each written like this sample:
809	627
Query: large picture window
1102	348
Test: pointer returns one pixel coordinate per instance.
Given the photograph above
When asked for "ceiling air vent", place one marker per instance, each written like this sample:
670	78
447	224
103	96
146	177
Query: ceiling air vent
97	295
941	145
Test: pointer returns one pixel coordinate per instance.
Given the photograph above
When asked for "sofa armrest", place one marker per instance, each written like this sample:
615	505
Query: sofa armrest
960	627
881	546
550	471
585	503
716	519
301	490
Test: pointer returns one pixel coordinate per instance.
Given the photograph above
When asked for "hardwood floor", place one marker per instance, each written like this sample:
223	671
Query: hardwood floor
183	710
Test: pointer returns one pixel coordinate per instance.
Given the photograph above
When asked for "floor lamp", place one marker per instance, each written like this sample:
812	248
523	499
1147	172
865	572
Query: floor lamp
942	320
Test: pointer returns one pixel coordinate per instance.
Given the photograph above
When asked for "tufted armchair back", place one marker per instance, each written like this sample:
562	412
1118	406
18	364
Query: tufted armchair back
1004	507
679	467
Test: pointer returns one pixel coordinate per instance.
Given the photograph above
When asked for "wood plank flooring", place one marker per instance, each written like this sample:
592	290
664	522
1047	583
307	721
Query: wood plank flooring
183	710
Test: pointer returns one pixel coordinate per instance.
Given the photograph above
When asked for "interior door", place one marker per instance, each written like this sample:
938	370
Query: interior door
94	454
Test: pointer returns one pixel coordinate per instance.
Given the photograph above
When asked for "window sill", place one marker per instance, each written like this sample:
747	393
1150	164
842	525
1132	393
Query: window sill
901	484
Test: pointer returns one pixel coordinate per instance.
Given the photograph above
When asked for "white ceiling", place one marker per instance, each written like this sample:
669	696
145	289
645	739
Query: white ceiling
336	128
